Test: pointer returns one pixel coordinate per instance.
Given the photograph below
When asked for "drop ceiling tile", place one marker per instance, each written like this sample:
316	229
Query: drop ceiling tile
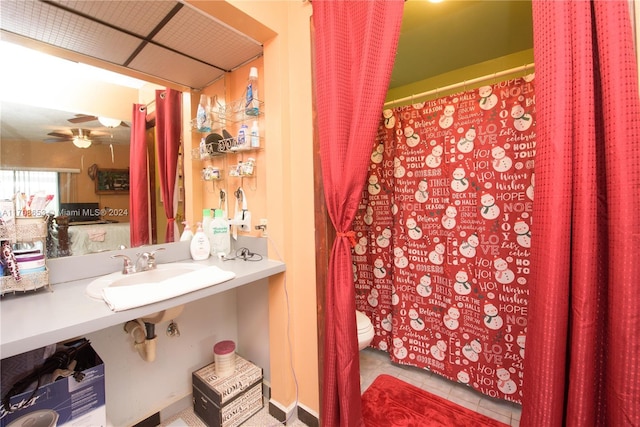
138	17
57	27
171	66
207	39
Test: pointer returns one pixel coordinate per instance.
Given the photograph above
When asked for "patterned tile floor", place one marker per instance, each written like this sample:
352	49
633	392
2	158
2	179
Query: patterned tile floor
374	362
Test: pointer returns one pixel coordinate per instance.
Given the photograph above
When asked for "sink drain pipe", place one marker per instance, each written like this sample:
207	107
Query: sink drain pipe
144	338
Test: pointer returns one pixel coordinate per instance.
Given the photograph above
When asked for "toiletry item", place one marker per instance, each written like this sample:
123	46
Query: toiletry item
241	141
10	261
187	234
252	107
255	135
221	237
200	246
206	223
224	357
203	123
248	166
202	149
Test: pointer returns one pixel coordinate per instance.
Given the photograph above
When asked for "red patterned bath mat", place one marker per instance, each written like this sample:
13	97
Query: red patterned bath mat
390	402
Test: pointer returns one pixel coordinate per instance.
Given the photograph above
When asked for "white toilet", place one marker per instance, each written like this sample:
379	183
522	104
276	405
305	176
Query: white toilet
365	330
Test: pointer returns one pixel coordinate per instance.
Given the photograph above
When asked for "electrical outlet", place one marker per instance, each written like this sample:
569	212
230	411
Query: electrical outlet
262	226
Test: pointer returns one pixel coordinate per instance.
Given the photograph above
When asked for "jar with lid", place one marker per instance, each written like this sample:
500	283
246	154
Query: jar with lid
248	166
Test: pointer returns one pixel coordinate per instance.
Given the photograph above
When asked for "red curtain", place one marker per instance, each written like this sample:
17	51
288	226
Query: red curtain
582	365
354	52
138	179
168	130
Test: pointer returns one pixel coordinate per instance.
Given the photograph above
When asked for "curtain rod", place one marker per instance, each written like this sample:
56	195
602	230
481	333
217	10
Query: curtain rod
461	84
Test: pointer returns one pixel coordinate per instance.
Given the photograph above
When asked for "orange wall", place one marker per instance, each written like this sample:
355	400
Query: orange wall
64	155
283	190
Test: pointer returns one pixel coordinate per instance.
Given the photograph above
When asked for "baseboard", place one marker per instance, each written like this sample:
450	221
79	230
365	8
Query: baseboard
293	413
282	414
307	416
152	421
176	407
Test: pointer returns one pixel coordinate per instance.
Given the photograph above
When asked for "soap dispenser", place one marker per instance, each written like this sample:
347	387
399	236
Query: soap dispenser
200	246
187	234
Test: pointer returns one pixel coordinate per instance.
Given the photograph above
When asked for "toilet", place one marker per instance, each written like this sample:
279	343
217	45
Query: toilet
365	330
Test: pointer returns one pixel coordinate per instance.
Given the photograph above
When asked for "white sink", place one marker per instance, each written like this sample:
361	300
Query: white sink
161	272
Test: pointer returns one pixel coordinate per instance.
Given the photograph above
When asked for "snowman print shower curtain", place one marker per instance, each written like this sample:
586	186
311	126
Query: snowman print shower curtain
443	235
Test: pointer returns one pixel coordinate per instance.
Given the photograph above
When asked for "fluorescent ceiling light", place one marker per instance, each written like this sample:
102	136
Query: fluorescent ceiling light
35	60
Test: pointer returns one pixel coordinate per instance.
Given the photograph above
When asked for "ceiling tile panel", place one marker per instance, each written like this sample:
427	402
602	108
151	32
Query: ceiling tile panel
174	67
207	39
60	28
138	17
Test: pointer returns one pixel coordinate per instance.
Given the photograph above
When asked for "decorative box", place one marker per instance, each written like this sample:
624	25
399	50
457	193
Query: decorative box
227	401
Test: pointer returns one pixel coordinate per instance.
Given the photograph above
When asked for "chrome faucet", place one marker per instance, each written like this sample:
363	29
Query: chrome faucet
146	261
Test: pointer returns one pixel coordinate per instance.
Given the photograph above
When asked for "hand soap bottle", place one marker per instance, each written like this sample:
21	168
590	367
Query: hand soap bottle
187	234
200	246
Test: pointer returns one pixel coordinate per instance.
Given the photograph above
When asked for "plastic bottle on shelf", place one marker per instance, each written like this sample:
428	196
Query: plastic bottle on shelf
248	166
241	141
255	135
200	246
221	237
203	122
252	106
202	148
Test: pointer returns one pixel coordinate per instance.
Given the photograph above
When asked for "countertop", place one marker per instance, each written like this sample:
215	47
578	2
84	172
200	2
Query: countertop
43	317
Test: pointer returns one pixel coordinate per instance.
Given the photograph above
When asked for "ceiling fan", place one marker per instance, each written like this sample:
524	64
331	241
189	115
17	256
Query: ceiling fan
104	121
81	138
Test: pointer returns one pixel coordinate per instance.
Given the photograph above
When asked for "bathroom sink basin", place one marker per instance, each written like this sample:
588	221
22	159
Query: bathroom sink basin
161	273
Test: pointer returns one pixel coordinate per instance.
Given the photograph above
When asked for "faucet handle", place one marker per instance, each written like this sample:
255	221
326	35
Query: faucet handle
151	259
128	267
153	253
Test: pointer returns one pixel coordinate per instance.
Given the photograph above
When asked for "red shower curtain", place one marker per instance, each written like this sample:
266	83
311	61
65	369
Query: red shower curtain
443	230
168	130
138	179
582	365
355	48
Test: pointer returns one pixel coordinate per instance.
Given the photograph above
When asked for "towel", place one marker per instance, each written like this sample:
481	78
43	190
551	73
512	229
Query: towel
96	234
120	298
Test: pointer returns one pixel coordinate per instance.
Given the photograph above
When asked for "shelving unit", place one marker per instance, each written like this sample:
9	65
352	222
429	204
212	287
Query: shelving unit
232	115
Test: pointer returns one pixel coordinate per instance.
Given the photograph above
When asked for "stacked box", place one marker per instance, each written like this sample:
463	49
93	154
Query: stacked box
228	401
77	400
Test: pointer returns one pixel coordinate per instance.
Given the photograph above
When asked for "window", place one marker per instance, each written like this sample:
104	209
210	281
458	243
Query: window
28	187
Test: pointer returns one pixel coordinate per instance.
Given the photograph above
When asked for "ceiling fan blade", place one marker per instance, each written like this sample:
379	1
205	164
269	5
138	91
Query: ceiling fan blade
82	118
61	135
96	133
52	140
123	124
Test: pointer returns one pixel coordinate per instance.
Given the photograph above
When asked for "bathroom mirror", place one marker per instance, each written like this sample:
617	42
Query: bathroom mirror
140	42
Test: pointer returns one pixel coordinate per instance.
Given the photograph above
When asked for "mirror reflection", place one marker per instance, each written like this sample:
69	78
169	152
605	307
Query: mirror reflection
75	164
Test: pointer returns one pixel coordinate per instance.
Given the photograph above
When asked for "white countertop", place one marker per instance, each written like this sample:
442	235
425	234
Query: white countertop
40	318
